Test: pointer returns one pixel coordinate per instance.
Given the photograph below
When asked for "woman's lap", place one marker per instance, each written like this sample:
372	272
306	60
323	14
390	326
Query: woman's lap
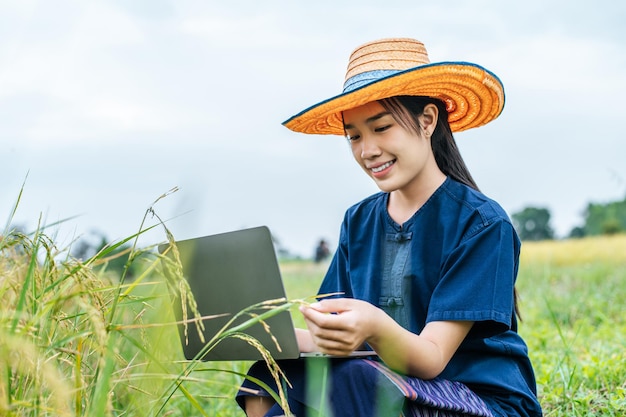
357	387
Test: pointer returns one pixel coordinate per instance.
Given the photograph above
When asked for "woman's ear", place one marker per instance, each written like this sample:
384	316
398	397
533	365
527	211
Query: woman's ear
428	119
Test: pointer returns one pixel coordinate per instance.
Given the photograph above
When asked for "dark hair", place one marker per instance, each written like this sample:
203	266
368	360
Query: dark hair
405	110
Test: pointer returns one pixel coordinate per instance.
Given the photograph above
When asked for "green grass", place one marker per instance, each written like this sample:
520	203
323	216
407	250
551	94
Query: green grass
77	340
574	294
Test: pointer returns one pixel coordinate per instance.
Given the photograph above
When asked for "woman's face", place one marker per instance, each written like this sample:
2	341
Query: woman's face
394	157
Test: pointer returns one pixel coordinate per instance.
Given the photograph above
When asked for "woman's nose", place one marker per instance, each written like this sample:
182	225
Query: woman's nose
369	147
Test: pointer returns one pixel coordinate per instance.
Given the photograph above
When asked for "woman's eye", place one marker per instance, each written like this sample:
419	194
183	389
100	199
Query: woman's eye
352	138
382	128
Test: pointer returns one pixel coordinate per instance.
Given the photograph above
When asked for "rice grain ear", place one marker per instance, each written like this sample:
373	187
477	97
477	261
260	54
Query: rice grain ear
172	271
274	368
33	374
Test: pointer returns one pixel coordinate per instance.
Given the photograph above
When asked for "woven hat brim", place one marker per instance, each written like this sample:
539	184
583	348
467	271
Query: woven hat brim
474	97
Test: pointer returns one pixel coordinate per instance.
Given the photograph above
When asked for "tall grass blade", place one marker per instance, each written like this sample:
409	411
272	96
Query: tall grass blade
13	210
27	286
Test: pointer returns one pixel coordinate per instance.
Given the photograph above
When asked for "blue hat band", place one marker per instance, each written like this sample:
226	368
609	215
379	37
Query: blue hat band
364	78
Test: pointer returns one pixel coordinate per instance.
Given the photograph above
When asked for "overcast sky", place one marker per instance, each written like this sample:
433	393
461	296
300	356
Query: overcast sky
106	105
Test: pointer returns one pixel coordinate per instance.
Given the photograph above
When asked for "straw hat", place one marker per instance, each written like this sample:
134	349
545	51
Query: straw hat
385	68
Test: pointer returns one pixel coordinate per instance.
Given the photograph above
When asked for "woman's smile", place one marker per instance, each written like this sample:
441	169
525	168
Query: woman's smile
381	169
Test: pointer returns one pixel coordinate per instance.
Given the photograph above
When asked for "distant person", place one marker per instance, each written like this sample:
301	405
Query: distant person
426	267
321	251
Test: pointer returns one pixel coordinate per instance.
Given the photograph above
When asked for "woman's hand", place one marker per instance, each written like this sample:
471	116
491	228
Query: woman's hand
338	326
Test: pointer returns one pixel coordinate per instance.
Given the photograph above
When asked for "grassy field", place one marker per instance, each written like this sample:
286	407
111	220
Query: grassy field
573	299
74	341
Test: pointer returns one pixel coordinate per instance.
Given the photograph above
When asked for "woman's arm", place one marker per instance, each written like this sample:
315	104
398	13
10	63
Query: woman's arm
354	322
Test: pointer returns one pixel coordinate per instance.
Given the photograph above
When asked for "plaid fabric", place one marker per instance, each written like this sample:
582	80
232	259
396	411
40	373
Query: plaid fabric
435	398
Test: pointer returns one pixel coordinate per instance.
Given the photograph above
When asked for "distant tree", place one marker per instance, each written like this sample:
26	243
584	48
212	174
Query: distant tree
533	223
605	219
88	245
577	232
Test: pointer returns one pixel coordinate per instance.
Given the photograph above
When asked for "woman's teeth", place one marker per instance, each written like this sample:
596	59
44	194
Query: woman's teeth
383	166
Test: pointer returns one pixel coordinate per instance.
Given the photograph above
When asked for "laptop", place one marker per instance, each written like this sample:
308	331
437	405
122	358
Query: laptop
227	273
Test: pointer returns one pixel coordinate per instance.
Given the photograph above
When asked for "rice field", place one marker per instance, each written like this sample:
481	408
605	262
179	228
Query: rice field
77	340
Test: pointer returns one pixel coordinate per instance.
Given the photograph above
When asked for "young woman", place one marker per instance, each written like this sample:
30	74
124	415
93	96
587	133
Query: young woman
426	268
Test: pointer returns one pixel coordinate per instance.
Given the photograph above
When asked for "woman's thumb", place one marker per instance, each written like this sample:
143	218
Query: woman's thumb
331	305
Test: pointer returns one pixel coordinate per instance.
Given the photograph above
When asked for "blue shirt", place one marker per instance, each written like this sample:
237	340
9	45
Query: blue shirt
455	259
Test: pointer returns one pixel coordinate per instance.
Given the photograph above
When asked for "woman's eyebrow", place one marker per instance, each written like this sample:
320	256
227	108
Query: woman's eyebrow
370	119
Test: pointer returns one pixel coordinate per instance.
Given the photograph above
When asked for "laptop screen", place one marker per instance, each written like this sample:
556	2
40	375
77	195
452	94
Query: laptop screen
227	273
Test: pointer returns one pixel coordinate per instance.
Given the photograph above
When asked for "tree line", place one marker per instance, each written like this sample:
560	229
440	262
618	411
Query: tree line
533	223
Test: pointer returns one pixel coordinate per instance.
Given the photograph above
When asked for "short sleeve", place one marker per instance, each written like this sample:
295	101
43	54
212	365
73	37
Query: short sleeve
477	280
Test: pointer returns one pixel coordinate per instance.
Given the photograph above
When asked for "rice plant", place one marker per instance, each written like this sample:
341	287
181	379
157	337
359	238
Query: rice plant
77	340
